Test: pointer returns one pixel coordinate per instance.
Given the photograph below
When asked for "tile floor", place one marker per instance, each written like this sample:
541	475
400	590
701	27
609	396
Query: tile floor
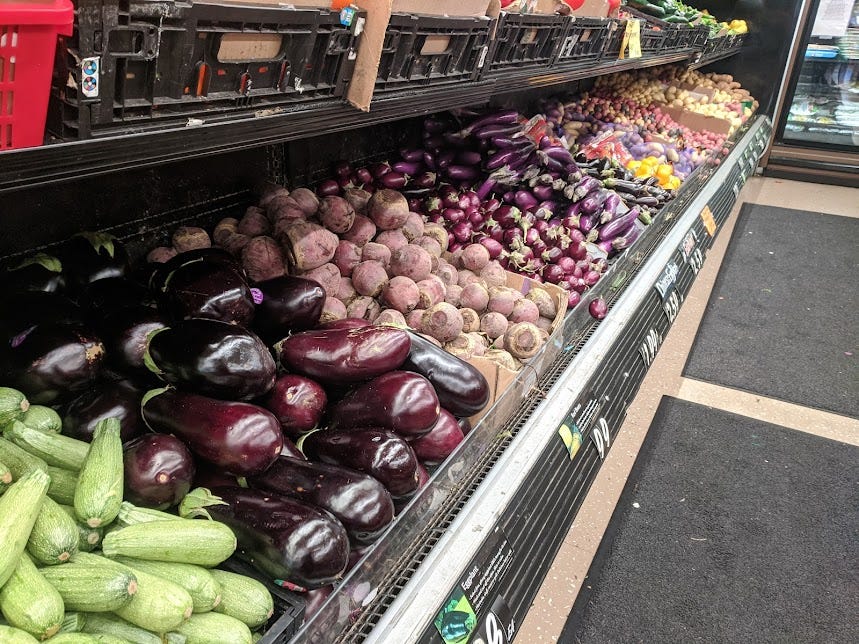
558	592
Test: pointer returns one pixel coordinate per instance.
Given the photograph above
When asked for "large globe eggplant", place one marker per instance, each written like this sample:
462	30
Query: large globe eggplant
51	363
345	355
402	401
112	294
159	470
120	400
207	290
288	303
39	273
287	538
298	402
126	333
377	452
213	256
241	438
461	388
32	308
212	358
88	257
361	503
437	444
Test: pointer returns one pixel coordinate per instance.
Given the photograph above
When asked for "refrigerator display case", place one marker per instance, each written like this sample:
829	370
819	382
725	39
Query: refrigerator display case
817	132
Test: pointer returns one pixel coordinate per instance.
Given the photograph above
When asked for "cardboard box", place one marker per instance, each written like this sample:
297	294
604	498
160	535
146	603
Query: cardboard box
699	122
517	384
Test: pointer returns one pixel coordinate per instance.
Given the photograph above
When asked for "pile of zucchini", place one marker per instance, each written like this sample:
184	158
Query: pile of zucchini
153	580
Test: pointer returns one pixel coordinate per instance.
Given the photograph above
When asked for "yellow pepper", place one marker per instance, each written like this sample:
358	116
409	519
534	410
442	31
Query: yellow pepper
673	183
664	171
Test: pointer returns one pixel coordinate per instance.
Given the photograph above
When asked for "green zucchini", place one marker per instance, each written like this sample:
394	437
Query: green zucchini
54	537
13	404
74	638
204	590
175	638
109	639
73	623
43	419
19	461
100	482
244	598
209	628
159	605
109	624
92	589
201	542
88	538
19	507
63	485
12	635
30	603
129	514
54	449
5	477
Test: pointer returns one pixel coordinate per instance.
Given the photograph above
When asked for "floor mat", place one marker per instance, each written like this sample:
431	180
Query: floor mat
783	317
729	529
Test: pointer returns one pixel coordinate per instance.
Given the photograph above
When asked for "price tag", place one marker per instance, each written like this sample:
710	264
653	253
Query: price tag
635	39
572	437
709	221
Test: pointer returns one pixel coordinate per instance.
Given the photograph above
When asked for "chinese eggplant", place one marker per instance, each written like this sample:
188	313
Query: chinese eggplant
159	470
345	355
361	503
402	401
288	304
378	452
461	388
241	438
288	538
212	358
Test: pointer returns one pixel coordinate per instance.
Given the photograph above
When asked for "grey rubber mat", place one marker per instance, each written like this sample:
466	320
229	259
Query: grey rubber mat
783	317
729	529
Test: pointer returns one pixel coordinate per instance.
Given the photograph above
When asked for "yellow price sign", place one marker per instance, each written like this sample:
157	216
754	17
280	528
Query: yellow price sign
572	439
709	221
631	40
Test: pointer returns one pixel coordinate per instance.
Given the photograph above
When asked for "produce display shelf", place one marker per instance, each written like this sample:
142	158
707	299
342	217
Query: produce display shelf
512	483
704	60
59	162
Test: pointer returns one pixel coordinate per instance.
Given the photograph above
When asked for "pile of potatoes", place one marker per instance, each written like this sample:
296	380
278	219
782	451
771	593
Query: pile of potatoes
378	261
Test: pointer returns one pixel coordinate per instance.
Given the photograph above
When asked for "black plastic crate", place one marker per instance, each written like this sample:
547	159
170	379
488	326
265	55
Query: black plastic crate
586	39
614	40
150	64
653	39
421	51
525	42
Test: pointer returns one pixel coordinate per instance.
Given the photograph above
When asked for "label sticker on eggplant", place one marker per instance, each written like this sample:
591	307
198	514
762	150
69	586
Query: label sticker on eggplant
667	279
458	618
498	626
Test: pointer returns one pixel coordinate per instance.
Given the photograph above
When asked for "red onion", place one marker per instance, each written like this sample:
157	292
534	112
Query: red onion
598	308
328	188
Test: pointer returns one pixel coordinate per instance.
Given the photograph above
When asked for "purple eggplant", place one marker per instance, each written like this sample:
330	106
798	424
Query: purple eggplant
460	387
159	470
120	400
402	401
212	358
377	452
214	256
345	355
288	304
241	438
437	444
209	476
345	323
285	538
125	333
52	363
618	225
207	290
39	273
495	118
297	402
584	186
29	309
88	257
112	294
360	502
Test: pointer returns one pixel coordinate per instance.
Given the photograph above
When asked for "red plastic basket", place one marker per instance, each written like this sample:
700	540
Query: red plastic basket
28	40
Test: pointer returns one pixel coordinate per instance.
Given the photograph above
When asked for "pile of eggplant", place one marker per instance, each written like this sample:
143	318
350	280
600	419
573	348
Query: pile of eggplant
308	442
